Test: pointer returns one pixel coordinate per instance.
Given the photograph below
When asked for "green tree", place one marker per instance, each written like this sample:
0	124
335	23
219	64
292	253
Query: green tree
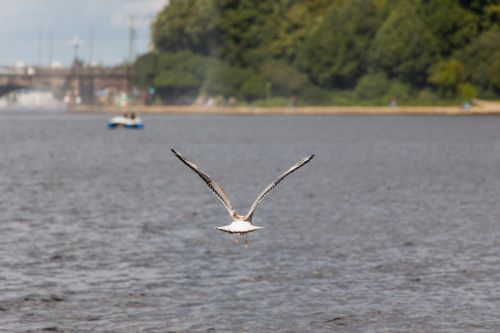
285	79
335	54
180	73
404	47
325	51
477	5
451	24
187	25
145	69
495	72
447	75
492	13
225	80
466	92
480	58
488	10
299	21
372	86
399	92
246	25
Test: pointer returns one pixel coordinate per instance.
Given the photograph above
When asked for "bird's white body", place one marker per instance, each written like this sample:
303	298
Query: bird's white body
240	227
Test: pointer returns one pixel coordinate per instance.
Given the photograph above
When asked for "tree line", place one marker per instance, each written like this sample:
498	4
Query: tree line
343	52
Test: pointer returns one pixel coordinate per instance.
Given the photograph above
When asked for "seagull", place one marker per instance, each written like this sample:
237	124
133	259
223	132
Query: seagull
242	224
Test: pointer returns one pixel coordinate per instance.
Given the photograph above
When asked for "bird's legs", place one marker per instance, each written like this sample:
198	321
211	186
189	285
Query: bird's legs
246	241
236	239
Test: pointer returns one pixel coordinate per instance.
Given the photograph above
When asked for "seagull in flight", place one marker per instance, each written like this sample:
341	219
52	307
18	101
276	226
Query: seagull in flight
242	224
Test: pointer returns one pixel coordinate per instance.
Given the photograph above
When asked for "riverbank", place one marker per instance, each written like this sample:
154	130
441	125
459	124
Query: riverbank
479	108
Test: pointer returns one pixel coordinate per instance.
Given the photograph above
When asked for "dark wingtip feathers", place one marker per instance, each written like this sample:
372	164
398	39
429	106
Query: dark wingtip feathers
308	158
177	154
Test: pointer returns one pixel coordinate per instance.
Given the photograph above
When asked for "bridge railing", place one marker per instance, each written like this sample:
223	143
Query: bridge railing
30	71
14	71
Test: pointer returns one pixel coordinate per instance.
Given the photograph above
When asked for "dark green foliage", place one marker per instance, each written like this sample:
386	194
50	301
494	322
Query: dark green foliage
254	87
285	79
477	6
145	69
377	89
466	92
184	62
372	86
313	95
246	26
225	80
172	73
404	47
187	25
335	54
450	23
325	51
480	59
447	75
399	92
298	22
495	72
488	11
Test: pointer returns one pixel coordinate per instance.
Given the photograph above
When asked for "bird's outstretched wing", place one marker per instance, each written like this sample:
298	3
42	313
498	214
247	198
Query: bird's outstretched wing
219	192
268	189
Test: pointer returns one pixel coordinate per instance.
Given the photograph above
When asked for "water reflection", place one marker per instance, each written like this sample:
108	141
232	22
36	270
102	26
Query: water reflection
31	99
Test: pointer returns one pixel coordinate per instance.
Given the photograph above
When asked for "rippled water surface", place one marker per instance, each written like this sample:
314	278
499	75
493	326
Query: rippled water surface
393	227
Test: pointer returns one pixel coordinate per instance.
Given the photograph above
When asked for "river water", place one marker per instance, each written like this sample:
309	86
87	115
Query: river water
393	227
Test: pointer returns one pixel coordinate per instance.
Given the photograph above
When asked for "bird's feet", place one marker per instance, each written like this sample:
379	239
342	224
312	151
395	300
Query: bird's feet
236	240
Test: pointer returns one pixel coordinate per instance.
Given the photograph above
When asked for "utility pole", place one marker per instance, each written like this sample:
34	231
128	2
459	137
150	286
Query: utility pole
49	50
39	45
131	39
75	42
91	44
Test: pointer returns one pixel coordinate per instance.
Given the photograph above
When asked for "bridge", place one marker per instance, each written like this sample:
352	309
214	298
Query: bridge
78	80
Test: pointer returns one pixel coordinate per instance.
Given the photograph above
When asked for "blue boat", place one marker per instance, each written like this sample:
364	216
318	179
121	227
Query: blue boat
125	122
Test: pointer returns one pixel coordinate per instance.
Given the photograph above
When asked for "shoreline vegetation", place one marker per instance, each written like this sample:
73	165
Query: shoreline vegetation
480	107
323	52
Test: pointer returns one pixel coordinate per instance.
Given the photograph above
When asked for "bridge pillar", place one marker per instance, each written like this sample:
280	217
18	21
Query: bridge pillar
86	89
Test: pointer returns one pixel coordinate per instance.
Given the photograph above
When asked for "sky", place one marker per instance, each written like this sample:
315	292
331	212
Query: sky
25	26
